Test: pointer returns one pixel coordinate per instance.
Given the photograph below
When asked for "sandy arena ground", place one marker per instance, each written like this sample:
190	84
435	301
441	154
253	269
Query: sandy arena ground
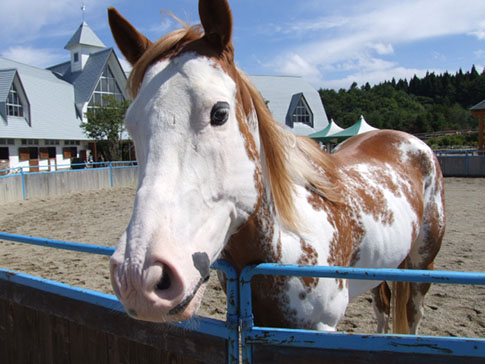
99	217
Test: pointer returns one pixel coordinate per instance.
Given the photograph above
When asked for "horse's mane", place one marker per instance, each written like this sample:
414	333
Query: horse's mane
291	160
288	159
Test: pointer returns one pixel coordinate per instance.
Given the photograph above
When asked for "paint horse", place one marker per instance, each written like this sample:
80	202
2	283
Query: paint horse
218	177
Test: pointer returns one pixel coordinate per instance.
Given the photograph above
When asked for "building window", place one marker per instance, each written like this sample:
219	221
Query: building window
72	142
14	105
52	142
76	57
7	141
302	113
30	141
107	86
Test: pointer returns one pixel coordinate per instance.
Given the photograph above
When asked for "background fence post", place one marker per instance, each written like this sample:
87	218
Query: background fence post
111	174
23	182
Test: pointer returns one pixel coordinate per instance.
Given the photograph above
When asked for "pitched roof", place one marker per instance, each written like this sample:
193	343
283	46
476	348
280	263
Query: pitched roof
53	115
280	91
84	35
85	81
479	106
359	127
331	129
6	79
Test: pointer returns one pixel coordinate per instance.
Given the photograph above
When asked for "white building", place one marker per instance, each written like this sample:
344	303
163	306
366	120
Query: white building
41	109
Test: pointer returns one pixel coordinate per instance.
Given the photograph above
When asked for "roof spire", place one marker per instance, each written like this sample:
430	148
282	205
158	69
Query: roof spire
83	9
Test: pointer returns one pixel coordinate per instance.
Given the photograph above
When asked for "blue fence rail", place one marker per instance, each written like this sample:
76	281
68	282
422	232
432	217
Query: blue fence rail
240	317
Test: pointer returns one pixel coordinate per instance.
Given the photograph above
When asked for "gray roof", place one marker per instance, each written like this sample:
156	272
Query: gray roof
84	36
52	111
84	81
282	92
479	106
6	79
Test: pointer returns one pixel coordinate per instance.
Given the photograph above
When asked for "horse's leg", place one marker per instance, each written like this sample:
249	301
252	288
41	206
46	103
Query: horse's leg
422	256
382	306
415	305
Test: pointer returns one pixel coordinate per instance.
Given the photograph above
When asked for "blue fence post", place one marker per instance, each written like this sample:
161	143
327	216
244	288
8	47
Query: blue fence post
232	316
22	177
246	312
111	174
467	164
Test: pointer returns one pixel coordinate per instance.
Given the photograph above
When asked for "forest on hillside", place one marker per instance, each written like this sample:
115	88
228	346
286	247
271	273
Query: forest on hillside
420	105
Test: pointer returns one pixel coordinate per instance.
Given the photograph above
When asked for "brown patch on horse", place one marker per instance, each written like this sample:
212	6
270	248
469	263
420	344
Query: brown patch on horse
309	256
344	246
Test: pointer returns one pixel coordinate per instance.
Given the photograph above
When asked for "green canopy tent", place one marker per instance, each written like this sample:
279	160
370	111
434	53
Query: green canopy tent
359	127
330	129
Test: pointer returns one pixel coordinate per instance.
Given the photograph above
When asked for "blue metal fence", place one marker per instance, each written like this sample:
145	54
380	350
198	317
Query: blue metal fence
224	329
252	335
239	309
462	163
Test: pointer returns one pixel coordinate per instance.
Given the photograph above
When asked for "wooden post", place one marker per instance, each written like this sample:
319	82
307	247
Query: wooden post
479	111
480	133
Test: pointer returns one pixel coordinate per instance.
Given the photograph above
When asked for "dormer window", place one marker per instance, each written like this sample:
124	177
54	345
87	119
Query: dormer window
76	57
299	111
302	113
14	105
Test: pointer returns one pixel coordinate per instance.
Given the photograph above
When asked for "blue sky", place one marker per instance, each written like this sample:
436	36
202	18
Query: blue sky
331	43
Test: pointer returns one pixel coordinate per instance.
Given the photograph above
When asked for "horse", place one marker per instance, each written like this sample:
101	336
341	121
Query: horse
219	177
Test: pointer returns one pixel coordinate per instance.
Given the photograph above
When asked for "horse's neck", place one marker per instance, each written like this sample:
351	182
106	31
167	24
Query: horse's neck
258	239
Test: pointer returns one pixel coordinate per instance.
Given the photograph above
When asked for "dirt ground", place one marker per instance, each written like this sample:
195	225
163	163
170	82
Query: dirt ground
99	217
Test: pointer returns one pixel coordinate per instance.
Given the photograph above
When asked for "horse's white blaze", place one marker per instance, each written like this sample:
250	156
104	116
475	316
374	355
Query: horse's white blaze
196	180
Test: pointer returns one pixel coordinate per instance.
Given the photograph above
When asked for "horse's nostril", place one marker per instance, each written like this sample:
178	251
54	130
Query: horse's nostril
165	282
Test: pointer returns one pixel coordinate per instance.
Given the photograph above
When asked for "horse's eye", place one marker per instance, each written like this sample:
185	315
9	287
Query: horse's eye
219	113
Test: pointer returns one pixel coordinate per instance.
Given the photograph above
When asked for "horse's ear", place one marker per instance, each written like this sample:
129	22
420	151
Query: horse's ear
130	42
216	18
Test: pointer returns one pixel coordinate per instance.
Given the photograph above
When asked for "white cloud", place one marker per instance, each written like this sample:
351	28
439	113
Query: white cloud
35	57
382	49
479	31
363	36
24	19
294	64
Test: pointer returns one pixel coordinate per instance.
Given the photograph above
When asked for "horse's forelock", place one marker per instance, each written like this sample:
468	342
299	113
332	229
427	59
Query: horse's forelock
166	47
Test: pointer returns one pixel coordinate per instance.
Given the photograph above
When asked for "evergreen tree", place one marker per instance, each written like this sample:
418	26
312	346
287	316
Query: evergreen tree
432	103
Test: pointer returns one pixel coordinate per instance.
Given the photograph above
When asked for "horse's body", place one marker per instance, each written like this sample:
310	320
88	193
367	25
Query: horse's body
218	176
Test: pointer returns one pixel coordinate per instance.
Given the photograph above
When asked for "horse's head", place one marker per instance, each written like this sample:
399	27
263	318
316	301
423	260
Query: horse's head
195	132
